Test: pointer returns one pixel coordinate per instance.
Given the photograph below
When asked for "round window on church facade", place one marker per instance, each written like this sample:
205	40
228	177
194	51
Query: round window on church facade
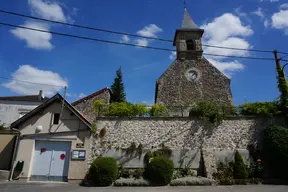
193	74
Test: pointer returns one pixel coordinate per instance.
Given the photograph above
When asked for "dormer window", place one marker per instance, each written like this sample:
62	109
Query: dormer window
190	45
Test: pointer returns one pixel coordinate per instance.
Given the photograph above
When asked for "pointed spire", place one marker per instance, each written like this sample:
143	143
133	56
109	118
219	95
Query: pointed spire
187	22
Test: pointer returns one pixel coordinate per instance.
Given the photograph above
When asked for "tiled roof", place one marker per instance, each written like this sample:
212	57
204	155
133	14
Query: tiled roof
31	98
90	96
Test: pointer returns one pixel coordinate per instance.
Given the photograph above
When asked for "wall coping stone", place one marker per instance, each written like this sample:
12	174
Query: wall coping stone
175	118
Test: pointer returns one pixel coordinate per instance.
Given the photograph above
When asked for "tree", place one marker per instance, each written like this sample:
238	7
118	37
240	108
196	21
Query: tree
117	88
282	85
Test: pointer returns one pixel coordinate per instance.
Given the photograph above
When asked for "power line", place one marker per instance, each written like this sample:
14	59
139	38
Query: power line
124	33
31	82
128	44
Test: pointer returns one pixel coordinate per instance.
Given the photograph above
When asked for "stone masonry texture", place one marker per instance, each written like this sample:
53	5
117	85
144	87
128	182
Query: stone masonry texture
87	107
174	89
179	134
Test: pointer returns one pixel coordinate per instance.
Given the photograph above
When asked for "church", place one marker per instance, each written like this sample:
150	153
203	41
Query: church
191	77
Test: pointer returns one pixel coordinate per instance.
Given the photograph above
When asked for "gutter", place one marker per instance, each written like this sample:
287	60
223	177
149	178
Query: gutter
15	151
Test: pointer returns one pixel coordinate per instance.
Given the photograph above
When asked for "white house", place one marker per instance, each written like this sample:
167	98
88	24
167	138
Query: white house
14	107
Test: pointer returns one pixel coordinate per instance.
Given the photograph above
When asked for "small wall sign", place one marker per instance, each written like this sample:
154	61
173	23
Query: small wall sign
78	155
79	145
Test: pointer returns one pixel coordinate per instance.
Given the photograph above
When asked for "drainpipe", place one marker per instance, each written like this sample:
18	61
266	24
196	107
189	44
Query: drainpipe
14	152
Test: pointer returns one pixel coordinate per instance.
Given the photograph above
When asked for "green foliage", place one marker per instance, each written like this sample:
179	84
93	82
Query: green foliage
283	88
138	173
224	171
264	109
99	107
163	152
254	181
159	171
239	168
124	173
124	109
276	150
226	181
103	171
158	111
208	110
2	126
117	88
241	181
94	128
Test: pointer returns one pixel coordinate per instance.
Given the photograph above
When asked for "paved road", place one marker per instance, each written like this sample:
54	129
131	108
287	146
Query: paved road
56	187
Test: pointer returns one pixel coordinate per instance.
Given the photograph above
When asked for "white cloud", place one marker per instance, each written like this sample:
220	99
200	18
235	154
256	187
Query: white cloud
150	31
259	12
266	23
272	1
226	31
48	10
224	26
125	39
279	19
239	12
173	55
142	42
284	6
35	75
34	39
227	67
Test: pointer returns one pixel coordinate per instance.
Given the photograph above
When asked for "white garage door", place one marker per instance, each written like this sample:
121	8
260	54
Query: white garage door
51	161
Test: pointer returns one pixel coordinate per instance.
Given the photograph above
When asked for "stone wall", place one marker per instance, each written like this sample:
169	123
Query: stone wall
174	88
86	104
187	137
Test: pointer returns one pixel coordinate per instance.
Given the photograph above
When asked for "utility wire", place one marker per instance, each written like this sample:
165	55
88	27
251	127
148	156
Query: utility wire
128	44
123	33
31	82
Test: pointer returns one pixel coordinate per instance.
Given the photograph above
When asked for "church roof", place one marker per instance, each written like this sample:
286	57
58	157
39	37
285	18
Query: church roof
187	21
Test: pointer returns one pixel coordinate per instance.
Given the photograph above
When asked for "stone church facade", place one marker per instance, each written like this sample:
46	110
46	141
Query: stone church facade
191	77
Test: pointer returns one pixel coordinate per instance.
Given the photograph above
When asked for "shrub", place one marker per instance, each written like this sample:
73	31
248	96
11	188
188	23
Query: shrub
276	150
138	173
192	181
158	110
103	171
264	109
208	110
226	181
124	173
131	182
254	181
239	169
159	171
125	109
163	152
99	107
241	181
224	171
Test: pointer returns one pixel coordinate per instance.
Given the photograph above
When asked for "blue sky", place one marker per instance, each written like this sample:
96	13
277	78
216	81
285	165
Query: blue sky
86	66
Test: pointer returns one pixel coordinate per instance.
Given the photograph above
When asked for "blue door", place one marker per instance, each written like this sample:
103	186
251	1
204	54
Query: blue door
51	161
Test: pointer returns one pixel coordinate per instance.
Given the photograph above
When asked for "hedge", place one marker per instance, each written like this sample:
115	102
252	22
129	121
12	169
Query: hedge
159	171
103	171
276	150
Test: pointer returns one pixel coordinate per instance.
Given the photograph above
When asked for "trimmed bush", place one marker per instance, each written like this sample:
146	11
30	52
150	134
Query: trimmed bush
131	182
159	171
138	173
239	168
241	181
254	181
103	171
226	181
276	150
192	181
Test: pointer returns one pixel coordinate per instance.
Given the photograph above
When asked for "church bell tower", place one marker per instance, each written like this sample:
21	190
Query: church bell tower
188	39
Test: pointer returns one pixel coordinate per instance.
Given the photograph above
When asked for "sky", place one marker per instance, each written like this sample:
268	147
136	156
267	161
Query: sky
87	66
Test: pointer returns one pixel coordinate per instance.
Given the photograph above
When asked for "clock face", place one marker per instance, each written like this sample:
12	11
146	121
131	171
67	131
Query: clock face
192	74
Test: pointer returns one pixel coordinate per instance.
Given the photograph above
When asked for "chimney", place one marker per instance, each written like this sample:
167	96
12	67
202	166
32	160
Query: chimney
41	95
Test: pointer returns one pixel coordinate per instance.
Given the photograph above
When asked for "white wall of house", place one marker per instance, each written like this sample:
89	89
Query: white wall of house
10	111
